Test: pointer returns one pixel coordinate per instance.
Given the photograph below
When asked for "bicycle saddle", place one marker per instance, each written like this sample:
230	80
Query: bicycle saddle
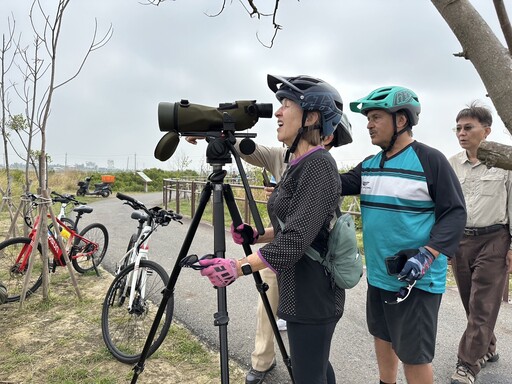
83	209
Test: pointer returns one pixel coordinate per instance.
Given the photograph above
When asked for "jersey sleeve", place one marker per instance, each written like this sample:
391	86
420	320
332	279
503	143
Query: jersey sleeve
446	192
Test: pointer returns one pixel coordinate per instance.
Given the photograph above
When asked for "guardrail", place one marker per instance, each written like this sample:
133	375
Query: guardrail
177	190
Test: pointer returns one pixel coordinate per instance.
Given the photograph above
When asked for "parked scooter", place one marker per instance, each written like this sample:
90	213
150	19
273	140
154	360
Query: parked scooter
100	189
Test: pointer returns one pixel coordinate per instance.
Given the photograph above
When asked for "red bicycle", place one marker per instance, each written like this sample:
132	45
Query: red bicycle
85	250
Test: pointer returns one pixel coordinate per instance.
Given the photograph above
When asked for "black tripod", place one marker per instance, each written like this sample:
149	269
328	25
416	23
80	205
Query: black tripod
219	152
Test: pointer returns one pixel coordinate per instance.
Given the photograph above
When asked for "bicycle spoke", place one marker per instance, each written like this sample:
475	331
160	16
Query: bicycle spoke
12	274
125	329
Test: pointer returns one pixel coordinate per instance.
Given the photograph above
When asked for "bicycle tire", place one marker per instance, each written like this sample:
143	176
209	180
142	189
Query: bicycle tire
11	276
94	232
69	223
131	244
125	333
133	240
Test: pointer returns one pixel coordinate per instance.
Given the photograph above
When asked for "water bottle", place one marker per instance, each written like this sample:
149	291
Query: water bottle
65	233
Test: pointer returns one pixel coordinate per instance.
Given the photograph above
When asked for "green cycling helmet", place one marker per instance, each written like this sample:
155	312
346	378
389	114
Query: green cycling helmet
391	99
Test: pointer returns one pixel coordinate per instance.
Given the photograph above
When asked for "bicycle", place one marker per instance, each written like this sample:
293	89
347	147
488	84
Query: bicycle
64	201
86	250
132	299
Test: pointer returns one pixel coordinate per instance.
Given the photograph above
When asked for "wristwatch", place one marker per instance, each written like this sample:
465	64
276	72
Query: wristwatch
246	269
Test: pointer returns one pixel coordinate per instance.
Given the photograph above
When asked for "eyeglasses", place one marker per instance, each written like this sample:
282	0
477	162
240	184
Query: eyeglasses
191	261
402	294
466	128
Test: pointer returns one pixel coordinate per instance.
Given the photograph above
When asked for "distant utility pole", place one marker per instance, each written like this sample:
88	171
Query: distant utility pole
127	162
135	162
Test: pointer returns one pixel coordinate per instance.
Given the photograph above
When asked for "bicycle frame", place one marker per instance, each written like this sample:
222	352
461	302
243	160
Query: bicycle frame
53	245
62	211
135	255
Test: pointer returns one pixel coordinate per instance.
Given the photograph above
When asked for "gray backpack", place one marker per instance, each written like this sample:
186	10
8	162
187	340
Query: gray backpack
342	259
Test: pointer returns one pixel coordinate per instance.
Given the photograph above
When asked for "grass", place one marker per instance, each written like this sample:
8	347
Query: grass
59	341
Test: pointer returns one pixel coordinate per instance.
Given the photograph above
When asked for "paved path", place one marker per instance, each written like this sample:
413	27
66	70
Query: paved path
352	349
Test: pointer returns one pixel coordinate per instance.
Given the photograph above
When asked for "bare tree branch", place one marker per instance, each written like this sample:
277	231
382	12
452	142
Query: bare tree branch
218	13
252	10
504	22
39	70
8	43
277	27
92	47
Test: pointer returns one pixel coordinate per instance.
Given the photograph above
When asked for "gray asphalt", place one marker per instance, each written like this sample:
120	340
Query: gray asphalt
352	352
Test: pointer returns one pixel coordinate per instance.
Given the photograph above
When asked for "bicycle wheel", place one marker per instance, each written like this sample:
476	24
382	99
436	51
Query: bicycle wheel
96	233
69	223
132	241
10	273
125	331
131	244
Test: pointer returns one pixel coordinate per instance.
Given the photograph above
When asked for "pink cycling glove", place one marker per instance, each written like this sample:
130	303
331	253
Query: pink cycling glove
244	234
221	272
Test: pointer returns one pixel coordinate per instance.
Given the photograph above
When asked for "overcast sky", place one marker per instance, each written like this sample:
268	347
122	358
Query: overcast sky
175	51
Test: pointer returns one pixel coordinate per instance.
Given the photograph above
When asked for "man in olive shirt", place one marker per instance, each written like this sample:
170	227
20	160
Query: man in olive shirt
484	256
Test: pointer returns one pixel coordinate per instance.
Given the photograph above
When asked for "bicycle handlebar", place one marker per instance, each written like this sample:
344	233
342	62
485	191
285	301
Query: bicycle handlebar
161	216
135	204
66	198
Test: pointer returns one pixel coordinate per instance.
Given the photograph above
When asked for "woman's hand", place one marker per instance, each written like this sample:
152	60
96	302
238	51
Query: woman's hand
221	272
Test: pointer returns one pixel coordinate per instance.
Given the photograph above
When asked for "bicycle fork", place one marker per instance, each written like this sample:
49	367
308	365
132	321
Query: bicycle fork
138	283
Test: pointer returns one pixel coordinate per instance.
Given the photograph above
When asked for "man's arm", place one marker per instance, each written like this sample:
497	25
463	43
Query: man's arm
351	181
270	158
450	208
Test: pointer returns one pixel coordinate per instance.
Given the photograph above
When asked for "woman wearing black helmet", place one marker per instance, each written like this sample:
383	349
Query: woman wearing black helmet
300	209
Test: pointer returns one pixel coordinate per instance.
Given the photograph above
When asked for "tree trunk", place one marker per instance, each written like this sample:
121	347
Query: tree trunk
495	154
480	45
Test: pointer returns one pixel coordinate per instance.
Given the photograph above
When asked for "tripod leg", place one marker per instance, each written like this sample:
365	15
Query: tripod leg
261	286
219	239
168	291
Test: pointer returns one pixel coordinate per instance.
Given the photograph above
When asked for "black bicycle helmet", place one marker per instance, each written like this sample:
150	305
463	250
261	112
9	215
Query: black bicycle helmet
312	95
342	133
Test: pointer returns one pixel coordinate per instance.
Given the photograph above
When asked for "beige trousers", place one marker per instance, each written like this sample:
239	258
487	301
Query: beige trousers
264	352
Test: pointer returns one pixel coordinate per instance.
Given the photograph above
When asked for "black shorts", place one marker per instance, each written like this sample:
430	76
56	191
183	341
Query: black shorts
410	326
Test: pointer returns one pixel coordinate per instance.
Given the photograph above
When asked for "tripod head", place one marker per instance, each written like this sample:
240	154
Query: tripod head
220	151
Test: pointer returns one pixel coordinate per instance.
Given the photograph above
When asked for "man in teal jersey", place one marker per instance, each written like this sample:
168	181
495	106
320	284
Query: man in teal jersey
411	205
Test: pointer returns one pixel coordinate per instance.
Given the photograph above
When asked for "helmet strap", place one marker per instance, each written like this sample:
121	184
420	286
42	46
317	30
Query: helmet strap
293	147
393	140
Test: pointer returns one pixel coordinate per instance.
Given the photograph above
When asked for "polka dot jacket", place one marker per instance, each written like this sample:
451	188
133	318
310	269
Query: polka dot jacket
305	201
